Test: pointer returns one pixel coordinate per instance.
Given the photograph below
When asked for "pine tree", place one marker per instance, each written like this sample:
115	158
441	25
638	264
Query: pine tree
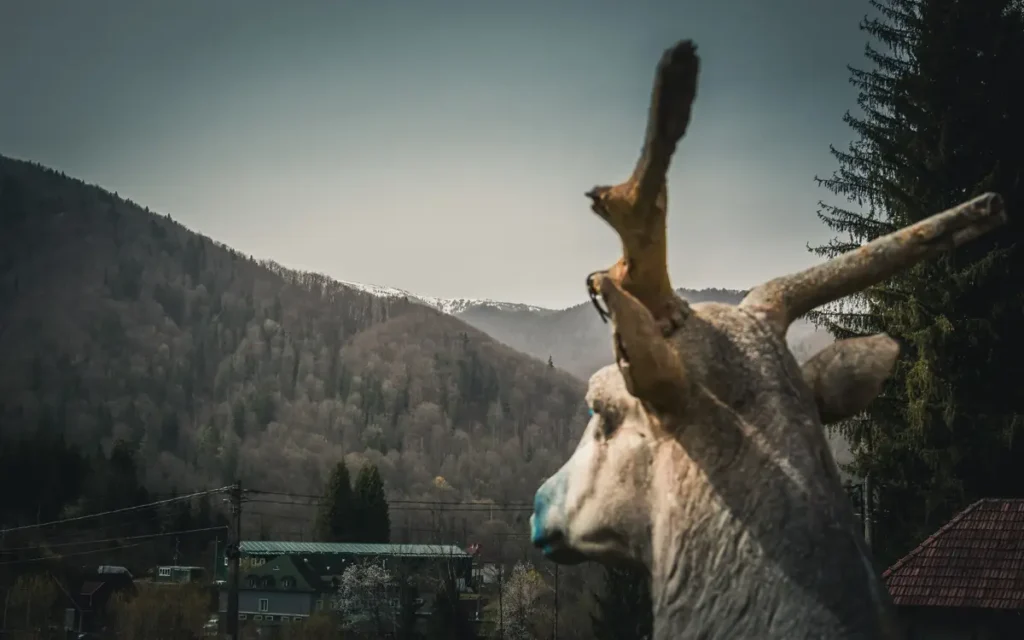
624	605
335	518
372	522
937	128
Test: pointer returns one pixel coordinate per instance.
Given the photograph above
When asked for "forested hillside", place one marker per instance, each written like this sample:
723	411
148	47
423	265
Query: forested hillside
119	324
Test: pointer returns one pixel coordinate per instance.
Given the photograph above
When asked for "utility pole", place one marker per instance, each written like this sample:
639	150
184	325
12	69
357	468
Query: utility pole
7	592
501	588
7	598
555	635
866	507
234	552
216	557
868	494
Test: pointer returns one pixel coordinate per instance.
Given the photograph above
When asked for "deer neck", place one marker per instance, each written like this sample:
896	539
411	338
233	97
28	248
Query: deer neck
772	565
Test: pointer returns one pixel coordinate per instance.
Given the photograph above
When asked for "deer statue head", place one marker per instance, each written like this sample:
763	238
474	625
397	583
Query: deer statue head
705	459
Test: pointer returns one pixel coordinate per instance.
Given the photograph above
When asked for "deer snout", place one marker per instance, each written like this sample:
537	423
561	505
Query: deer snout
546	523
548	526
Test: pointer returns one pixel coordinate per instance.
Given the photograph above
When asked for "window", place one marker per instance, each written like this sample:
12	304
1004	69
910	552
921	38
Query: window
241	616
319	605
268	618
164	572
257	617
264	604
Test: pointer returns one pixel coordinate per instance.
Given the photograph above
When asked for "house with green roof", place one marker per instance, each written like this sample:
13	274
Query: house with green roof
278	591
281	582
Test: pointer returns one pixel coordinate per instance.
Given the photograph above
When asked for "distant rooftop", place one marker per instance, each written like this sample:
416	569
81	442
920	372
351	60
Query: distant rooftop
975	560
109	568
266	547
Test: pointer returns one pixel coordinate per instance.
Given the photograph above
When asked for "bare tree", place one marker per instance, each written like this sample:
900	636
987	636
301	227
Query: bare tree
160	612
364	598
32	598
522	615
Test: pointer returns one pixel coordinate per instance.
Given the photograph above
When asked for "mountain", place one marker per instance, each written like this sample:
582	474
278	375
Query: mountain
574	338
578	341
117	324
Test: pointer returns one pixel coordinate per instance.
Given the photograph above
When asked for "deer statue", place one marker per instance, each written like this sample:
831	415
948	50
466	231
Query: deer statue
705	459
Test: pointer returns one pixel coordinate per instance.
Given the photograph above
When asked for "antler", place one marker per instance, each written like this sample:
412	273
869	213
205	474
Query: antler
636	208
783	300
637	289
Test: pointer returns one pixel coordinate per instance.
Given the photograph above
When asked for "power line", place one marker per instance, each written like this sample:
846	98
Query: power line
284	494
441	506
110	531
438	503
432	530
118	539
139	507
69	555
105	528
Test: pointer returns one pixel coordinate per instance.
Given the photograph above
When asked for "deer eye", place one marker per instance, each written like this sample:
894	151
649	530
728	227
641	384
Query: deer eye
608	425
608	419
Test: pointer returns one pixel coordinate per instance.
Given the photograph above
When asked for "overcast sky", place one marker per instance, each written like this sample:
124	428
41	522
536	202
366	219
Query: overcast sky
439	146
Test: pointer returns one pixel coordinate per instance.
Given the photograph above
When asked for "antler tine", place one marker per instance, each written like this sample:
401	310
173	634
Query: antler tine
636	209
785	299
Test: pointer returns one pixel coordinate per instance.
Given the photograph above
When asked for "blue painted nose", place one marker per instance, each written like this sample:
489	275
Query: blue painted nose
540	512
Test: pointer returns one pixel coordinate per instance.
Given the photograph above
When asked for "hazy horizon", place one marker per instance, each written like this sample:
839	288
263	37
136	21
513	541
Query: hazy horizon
441	148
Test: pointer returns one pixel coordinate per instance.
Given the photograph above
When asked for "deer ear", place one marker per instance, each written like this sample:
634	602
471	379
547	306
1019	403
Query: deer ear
650	367
848	374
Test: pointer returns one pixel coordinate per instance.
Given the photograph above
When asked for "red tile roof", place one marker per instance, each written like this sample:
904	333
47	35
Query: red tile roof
975	560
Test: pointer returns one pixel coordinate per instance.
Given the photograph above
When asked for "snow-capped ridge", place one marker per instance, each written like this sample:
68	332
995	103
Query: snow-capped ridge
450	306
